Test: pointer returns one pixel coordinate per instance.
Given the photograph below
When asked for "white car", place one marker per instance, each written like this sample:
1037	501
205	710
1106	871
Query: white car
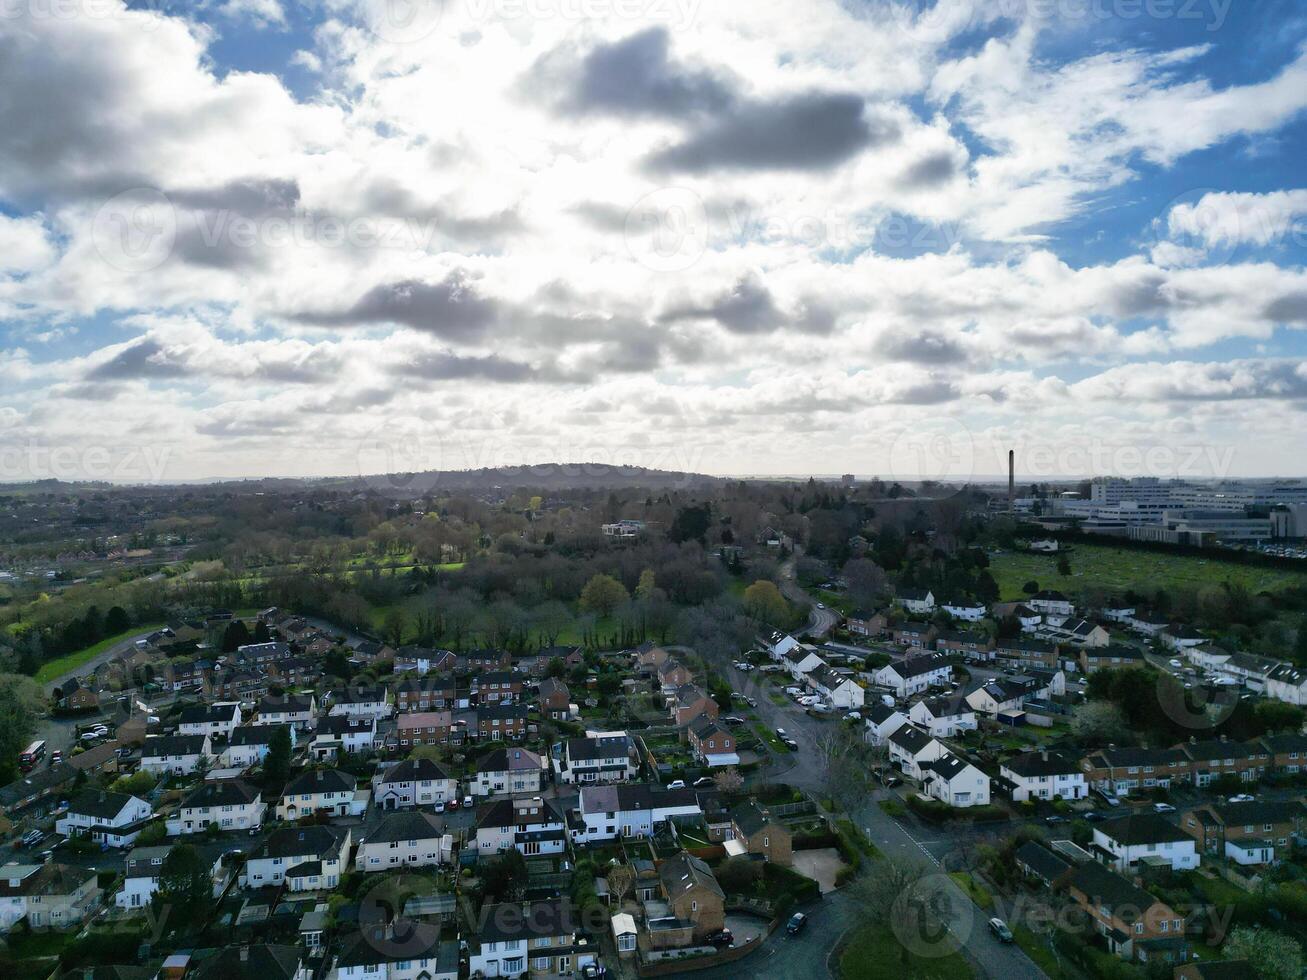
1163	808
821	605
1175	663
676	784
1241	798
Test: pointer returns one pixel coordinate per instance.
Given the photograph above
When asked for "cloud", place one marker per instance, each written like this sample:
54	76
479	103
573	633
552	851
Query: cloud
452	308
748	307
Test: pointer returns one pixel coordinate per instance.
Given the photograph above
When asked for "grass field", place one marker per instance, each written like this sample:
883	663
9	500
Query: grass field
874	952
1102	566
54	668
975	891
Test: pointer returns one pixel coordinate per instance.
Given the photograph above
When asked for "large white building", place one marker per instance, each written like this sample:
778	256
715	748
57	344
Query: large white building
608	812
952	780
912	675
110	818
1044	775
1127	840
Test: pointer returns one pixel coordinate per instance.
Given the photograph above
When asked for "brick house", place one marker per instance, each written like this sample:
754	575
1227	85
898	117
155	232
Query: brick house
689	703
1246	833
692	892
1215	758
501	722
423	728
673	674
498	687
1136	925
712	744
753	825
864	622
553	698
434	694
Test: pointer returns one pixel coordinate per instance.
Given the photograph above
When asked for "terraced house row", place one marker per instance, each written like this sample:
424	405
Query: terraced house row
1122	771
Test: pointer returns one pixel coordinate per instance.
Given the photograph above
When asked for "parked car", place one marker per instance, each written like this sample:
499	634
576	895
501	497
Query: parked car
676	784
1108	798
440	808
56	756
452	804
1000	930
797	921
1175	663
1054	819
750	701
468	803
722	937
733	720
1093	816
782	734
1163	808
853	716
32	838
703	781
1242	798
821	605
793	745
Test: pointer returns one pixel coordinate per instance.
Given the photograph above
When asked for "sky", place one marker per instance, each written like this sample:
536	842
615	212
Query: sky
244	238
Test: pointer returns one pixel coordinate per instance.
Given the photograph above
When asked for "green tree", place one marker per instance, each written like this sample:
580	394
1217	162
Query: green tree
1272	955
1063	565
504	876
235	636
185	888
647	587
691	524
602	594
17	722
276	764
1030	588
117	621
764	602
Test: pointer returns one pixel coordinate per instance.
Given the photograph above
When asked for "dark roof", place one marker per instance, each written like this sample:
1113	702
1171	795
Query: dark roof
288	702
1041	764
504	712
414	770
1107	888
634	796
252	734
1142	828
1219	749
911	738
509	760
257	962
36	782
683	872
751	816
1223	969
317	840
407	825
98	803
199	714
160	745
1041	860
552	917
321	781
948	706
608	747
225	792
878	713
1257	812
947	765
1288	742
421	940
358	695
1130	757
916	666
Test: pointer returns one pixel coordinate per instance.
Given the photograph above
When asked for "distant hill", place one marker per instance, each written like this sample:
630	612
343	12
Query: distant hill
543	476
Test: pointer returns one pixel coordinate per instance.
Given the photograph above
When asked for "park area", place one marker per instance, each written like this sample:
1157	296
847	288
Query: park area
1119	569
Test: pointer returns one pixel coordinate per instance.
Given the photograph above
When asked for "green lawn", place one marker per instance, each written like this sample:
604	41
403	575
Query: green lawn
1037	949
1117	569
873	952
54	668
975	891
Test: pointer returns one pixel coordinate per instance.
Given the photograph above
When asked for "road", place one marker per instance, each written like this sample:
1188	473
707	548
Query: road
119	648
820	621
899	842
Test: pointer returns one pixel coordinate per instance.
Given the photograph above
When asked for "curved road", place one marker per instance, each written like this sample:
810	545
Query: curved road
820	621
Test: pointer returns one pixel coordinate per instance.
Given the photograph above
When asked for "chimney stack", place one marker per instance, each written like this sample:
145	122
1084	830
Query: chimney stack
1011	479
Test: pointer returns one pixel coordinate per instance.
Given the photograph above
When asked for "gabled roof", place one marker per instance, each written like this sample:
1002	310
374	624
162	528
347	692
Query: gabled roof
256	962
320	781
1256	812
1041	860
910	738
161	745
253	734
407	825
202	714
946	766
1041	763
1102	887
318	840
509	760
606	747
225	792
1141	829
548	918
684	872
916	666
100	804
628	797
414	770
751	816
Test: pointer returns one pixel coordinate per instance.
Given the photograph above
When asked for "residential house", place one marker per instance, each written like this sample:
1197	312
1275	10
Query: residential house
296	710
967	610
975	647
648	656
432	694
1254	832
910	749
230	804
914	674
1121	771
510	770
779	645
301	858
757	831
421	660
1287	683
1079	633
254	961
1044	775
1179	638
1110	657
605	813
864	622
918	636
1048	602
414	782
502	722
263	654
998	695
114	819
412	839
361	702
1135	924
607	759
882	721
343	733
1287	753
1250	670
531	825
943	717
693	895
141	870
175	754
498	687
1036	861
329	791
214	720
381	954
837	687
1147	624
1028	653
480	661
712	744
919	602
554	699
1219	757
802	660
955	781
1124	842
536	939
48	896
76	696
423	728
689	702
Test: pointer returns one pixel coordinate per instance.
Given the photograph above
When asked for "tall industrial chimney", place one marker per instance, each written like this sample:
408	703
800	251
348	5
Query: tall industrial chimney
1011	480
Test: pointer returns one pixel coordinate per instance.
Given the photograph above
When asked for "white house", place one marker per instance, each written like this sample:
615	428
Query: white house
249	744
537	939
301	858
318	790
46	895
910	749
1146	623
1044	775
943	717
510	770
779	644
607	812
1051	603
361	702
917	601
609	758
293	709
419	956
141	874
914	674
343	733
1250	670
1117	611
1126	840
109	818
413	782
528	824
231	804
1180	638
412	839
176	754
802	660
952	780
839	690
213	720
882	721
1287	683
967	610
997	695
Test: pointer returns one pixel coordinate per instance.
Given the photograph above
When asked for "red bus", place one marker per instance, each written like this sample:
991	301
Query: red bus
31	755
